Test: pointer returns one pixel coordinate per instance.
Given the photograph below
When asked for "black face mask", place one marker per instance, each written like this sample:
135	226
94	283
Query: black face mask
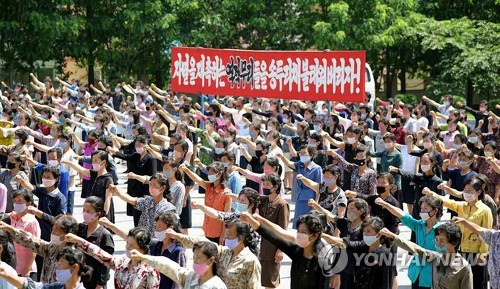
258	154
11	166
266	192
380	190
358	162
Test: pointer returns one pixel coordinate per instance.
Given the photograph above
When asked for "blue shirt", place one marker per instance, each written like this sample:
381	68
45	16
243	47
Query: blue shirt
175	253
63	179
312	172
419	268
53	204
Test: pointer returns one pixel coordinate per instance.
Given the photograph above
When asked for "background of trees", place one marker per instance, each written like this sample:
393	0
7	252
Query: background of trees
453	44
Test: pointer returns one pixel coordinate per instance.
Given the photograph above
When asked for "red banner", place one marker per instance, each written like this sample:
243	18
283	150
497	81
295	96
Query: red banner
307	75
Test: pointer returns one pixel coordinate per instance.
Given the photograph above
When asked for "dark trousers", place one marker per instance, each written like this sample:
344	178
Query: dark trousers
215	240
71	202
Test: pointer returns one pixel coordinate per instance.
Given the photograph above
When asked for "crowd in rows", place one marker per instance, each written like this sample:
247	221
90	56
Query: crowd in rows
356	174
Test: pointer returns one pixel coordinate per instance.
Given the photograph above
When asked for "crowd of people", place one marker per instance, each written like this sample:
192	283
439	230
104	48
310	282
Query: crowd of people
356	174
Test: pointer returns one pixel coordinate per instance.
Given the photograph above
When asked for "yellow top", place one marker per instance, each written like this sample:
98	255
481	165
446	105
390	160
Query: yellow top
479	214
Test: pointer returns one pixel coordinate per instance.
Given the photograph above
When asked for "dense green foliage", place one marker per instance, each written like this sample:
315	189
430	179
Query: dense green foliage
453	45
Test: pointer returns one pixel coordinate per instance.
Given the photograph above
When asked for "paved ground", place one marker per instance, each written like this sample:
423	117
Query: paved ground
126	222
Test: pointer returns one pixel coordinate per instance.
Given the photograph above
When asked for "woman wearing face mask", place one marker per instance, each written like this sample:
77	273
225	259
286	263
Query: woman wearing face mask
62	226
216	196
271	165
238	254
477	212
277	211
427	144
457	178
20	219
274	139
256	162
306	271
427	177
93	232
474	142
206	273
484	167
50	200
142	164
164	245
347	227
248	201
329	195
15	170
151	205
369	275
176	190
71	271
20	146
363	177
419	272
89	147
129	273
450	269
100	180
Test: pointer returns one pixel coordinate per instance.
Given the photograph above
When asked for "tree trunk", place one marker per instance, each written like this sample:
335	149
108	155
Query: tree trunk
402	74
469	92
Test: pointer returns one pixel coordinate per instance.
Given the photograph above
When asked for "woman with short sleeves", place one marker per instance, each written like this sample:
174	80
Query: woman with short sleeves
129	273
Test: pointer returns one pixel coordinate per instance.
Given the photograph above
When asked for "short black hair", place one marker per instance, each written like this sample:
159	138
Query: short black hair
142	238
67	223
452	233
434	202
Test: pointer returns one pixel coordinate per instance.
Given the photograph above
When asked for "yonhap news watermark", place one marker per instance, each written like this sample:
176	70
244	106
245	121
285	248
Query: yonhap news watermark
333	260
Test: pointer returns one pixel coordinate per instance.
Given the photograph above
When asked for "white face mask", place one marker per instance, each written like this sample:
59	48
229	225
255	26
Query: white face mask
425	216
427	145
425	168
388	145
469	197
19	208
139	149
53	163
160	235
63	275
369	240
48	183
54	239
351	140
212	178
16	141
232	243
488	154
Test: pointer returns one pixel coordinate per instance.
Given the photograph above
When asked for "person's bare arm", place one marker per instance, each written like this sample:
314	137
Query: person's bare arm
284	234
77	167
194	176
287	162
119	231
24	183
430	101
309	183
314	204
392	209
